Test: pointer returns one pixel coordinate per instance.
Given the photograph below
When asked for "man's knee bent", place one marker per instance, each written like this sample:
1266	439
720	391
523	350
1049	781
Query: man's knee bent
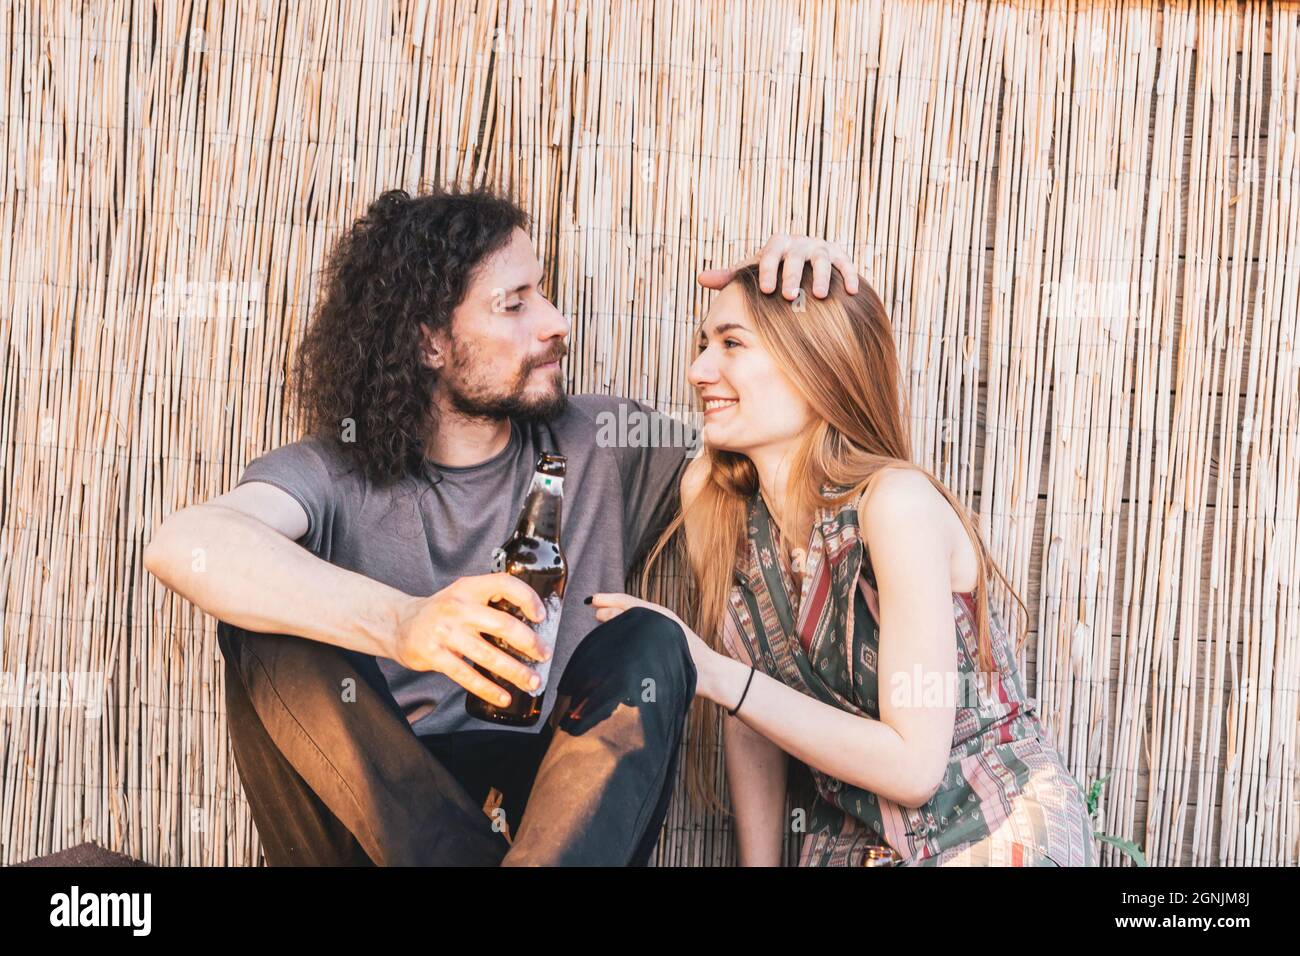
241	646
302	663
640	650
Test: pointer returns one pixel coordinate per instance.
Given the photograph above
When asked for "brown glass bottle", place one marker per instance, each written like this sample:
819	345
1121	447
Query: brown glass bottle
881	856
532	554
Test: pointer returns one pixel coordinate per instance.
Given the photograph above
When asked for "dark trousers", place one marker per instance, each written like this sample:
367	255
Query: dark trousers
334	774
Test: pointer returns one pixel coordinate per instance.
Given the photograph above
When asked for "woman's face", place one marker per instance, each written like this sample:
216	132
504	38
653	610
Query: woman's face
748	402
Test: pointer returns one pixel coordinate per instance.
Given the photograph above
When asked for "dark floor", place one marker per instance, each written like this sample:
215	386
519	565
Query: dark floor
85	854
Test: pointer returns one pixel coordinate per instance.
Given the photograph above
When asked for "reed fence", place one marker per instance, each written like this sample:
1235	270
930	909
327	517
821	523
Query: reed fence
1083	217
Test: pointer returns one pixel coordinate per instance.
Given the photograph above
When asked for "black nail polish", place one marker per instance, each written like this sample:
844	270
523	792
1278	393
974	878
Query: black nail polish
587	599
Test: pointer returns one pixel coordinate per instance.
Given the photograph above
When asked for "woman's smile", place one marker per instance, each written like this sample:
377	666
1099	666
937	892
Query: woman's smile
713	405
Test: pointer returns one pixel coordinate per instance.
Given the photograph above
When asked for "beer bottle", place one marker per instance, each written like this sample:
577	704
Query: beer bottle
532	554
881	856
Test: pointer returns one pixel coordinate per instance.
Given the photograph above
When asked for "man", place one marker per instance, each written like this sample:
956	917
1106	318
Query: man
347	569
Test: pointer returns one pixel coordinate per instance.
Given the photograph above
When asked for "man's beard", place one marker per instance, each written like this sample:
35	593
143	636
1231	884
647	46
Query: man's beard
475	403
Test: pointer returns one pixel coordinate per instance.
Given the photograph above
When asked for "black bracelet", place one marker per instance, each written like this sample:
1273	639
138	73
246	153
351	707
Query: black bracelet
733	710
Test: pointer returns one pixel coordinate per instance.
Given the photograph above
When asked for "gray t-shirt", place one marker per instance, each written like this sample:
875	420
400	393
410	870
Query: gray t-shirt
422	533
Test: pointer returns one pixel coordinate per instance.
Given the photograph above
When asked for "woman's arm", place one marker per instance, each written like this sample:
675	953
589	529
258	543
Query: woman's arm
756	776
902	756
756	767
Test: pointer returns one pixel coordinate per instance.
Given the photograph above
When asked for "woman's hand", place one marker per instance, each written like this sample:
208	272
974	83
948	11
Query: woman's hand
707	661
793	251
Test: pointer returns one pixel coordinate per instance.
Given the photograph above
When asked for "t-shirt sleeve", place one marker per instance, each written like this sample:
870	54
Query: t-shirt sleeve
300	470
652	474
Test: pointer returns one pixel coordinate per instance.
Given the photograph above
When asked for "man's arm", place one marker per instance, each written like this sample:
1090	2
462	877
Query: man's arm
651	477
235	558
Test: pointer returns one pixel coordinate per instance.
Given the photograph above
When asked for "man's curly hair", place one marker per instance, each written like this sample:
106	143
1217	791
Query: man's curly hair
406	263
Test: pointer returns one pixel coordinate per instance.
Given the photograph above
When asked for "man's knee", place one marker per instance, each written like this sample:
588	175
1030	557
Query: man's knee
251	651
294	666
643	652
228	640
298	672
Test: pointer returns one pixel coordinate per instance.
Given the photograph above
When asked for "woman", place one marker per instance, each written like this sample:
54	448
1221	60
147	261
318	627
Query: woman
843	594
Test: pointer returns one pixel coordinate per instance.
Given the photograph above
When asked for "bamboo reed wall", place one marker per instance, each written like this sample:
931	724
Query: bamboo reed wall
1084	219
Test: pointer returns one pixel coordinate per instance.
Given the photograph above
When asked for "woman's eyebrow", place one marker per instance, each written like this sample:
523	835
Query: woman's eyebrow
724	327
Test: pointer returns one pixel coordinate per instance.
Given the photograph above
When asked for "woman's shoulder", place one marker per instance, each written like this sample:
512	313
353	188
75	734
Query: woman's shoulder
899	490
900	502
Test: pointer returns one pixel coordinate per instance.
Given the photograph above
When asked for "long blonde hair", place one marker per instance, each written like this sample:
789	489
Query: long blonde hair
839	354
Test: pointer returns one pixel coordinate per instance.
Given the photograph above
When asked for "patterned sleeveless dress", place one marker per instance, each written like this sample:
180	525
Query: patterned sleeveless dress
1006	798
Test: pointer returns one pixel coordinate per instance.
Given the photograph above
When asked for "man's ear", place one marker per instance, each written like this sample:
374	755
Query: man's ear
433	348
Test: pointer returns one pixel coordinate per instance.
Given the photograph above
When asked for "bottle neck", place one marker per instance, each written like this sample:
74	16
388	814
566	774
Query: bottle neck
541	514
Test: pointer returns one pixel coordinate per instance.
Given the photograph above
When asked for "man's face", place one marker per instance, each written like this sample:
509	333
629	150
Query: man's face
502	359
